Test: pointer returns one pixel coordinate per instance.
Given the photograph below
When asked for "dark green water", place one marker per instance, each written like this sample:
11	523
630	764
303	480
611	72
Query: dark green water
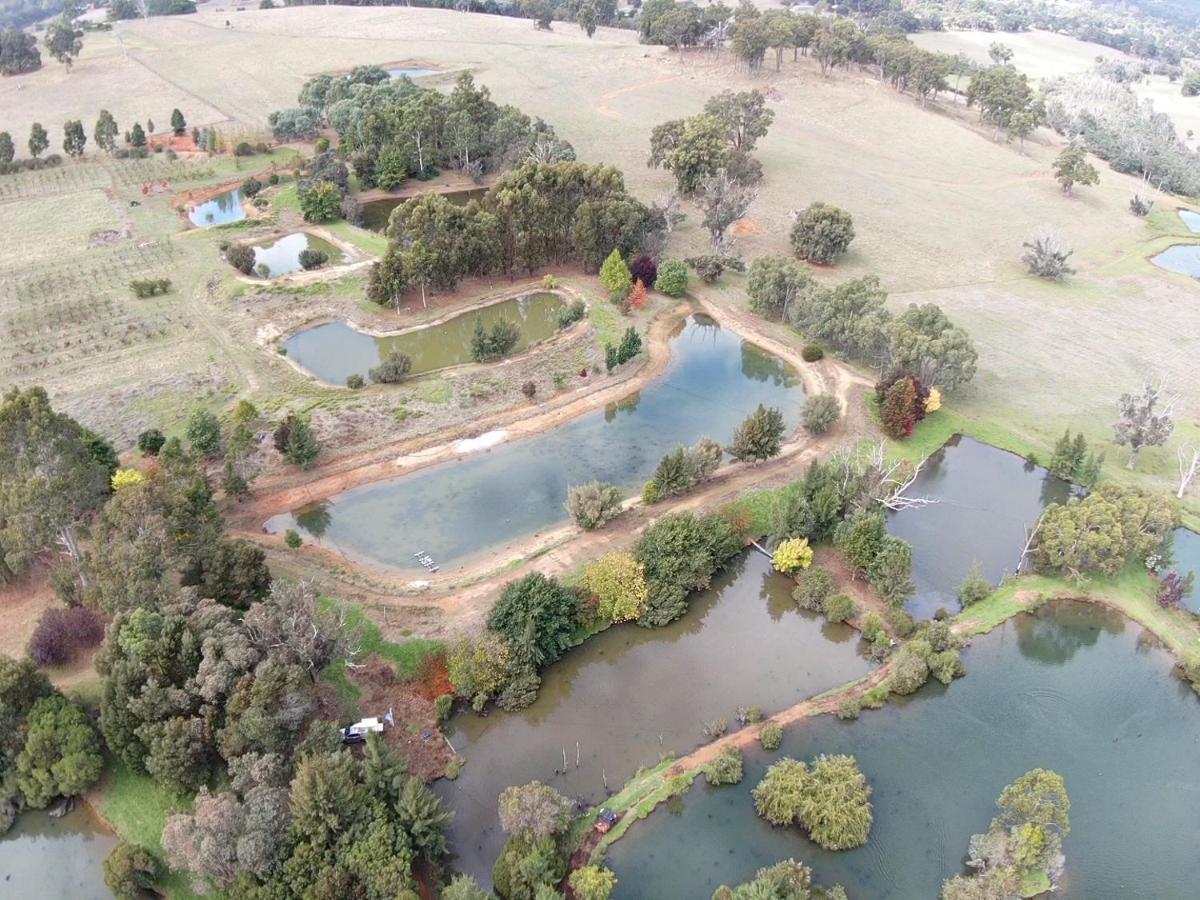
1181	258
282	256
55	859
1072	689
336	350
489	499
377	212
220	210
986	499
631	693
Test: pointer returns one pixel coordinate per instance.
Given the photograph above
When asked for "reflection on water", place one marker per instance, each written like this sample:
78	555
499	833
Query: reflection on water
336	350
630	694
986	499
220	210
282	257
457	509
55	859
377	212
1073	692
1181	258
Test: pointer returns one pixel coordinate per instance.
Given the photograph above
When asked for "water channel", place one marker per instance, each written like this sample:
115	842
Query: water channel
630	694
219	210
459	509
1073	688
335	350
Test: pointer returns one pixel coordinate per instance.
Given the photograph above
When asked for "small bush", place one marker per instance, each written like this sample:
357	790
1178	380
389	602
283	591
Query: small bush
241	257
849	708
1140	206
273	179
62	633
749	715
813	587
312	259
392	370
490	344
821	412
872	628
771	736
592	505
150	287
444	705
292	538
715	728
571	313
645	270
151	441
813	351
355	381
840	607
725	769
672	278
549	283
529	389
975	587
322	144
901	622
876	696
251	186
244	148
650	493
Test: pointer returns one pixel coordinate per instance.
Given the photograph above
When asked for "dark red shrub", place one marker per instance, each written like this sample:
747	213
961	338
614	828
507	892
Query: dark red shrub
645	270
62	633
1173	587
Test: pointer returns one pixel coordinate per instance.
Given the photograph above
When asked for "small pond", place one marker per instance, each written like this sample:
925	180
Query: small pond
336	349
1185	552
1181	258
282	257
1074	689
986	497
220	210
376	212
461	508
1191	219
630	694
55	859
410	72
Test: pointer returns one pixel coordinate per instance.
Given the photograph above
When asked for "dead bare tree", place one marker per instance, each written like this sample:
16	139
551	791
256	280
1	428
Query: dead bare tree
867	471
292	626
1189	460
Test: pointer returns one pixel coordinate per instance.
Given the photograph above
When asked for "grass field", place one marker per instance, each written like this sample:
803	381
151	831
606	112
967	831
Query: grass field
940	209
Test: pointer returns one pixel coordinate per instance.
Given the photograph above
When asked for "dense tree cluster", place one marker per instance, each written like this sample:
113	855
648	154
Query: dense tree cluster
1073	461
709	153
681	469
1023	846
48	744
535	215
830	799
787	880
18	53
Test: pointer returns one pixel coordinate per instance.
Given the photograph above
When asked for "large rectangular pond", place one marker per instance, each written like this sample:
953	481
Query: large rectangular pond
986	499
335	350
630	694
482	502
219	210
1074	689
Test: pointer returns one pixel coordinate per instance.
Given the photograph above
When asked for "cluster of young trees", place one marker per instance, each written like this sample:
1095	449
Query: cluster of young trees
786	880
121	10
904	401
1126	132
680	470
48	744
852	318
1023	845
830	799
489	344
1006	101
537	214
1101	533
1073	461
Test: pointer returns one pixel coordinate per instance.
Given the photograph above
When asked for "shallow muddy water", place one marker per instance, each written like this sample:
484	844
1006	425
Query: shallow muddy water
335	350
55	859
1074	689
631	693
220	210
458	509
986	498
282	256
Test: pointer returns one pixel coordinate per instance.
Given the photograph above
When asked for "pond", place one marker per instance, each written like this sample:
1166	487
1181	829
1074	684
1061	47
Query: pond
337	349
621	696
282	257
55	859
1073	689
1191	219
376	212
986	498
1185	551
219	210
462	508
1181	258
410	72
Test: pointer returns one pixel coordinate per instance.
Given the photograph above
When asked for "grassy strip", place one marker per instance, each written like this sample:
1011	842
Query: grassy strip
634	802
137	807
406	656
